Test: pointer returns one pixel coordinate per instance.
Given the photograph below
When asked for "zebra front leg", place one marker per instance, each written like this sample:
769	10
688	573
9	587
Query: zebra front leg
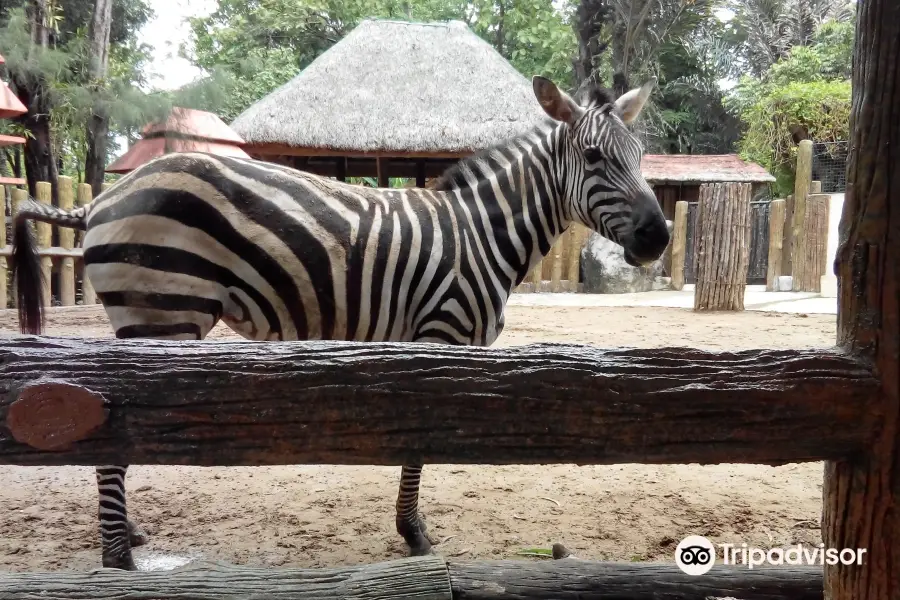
410	523
117	533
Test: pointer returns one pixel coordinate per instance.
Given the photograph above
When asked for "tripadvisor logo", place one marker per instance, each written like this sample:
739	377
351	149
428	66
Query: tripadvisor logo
696	555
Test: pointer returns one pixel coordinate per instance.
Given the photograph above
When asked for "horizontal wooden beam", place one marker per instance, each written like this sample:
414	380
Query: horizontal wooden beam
286	150
52	252
267	403
425	578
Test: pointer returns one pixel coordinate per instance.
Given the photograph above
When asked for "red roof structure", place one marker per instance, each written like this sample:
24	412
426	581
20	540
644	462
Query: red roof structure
10	106
701	168
185	130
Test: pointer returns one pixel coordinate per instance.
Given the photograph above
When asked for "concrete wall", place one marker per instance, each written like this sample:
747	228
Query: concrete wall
835	210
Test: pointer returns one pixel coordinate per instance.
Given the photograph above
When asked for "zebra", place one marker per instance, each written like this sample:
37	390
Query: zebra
191	239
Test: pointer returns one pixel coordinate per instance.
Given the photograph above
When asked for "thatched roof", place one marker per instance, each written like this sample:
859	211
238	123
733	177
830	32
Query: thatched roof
397	88
701	168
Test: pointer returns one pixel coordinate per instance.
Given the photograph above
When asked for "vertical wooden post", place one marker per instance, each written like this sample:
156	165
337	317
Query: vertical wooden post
420	173
3	260
44	193
815	187
862	493
723	229
776	243
787	265
679	244
382	169
537	276
88	296
341	169
556	266
66	195
802	181
574	258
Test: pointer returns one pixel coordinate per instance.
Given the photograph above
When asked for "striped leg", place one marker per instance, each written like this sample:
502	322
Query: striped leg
117	533
142	315
410	523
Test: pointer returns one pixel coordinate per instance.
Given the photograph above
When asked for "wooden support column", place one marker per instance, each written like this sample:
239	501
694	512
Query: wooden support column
66	195
679	244
862	492
776	244
88	295
574	258
420	173
44	193
3	262
802	183
787	264
341	169
382	165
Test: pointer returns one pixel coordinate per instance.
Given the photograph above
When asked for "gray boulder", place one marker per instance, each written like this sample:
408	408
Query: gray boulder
606	272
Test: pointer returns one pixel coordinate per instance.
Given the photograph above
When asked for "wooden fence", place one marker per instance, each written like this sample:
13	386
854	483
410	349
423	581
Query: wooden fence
60	259
560	270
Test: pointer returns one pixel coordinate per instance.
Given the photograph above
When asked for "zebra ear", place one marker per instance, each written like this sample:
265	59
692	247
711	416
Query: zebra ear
630	103
555	102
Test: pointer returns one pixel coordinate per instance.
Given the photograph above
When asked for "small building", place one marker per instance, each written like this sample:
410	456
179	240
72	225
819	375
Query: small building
392	99
677	177
185	130
10	106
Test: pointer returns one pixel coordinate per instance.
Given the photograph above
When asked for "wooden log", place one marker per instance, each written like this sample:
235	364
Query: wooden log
786	262
66	195
537	275
88	295
266	403
815	187
776	243
556	268
576	579
574	257
862	491
423	578
43	191
679	244
802	180
723	228
52	252
4	274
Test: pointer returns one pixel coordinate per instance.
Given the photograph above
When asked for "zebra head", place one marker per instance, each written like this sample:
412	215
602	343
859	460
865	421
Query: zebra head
600	167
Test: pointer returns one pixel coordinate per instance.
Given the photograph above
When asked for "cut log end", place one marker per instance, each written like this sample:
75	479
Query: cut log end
52	415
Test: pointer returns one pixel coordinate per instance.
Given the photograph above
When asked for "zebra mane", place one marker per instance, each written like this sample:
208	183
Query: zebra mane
454	177
590	97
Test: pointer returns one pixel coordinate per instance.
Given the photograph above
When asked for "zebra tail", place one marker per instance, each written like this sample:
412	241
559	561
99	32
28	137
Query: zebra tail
25	262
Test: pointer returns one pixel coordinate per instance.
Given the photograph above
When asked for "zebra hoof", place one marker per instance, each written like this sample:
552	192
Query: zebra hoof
123	563
417	537
421	546
136	535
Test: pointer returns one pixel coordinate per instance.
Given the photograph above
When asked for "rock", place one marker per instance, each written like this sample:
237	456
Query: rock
606	272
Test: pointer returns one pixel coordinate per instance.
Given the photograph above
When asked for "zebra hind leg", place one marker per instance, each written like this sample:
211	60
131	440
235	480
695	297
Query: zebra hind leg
410	522
135	315
118	533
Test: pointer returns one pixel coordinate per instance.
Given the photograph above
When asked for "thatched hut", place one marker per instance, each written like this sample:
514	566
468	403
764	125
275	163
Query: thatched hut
392	99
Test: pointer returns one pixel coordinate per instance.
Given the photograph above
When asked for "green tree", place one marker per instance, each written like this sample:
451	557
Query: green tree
804	95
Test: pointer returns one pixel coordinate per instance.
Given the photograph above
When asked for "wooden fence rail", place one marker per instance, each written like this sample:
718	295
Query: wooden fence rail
112	401
425	578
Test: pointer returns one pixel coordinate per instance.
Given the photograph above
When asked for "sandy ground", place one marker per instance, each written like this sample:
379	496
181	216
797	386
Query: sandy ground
319	516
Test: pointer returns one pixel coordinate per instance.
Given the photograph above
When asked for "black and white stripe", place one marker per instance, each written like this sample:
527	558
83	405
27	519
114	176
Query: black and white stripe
191	239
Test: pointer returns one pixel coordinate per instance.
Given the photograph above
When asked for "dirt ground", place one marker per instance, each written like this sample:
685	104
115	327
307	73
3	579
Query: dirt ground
313	516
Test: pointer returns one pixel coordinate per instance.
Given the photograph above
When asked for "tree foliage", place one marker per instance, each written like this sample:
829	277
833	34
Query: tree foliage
804	95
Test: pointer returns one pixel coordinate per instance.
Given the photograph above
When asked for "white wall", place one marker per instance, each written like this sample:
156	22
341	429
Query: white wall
835	209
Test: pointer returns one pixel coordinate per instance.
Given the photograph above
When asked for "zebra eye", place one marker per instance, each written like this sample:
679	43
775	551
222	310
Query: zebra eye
592	155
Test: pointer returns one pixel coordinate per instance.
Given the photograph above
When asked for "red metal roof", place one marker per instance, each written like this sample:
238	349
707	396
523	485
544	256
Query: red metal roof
195	123
10	105
11	140
701	168
2	60
146	150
